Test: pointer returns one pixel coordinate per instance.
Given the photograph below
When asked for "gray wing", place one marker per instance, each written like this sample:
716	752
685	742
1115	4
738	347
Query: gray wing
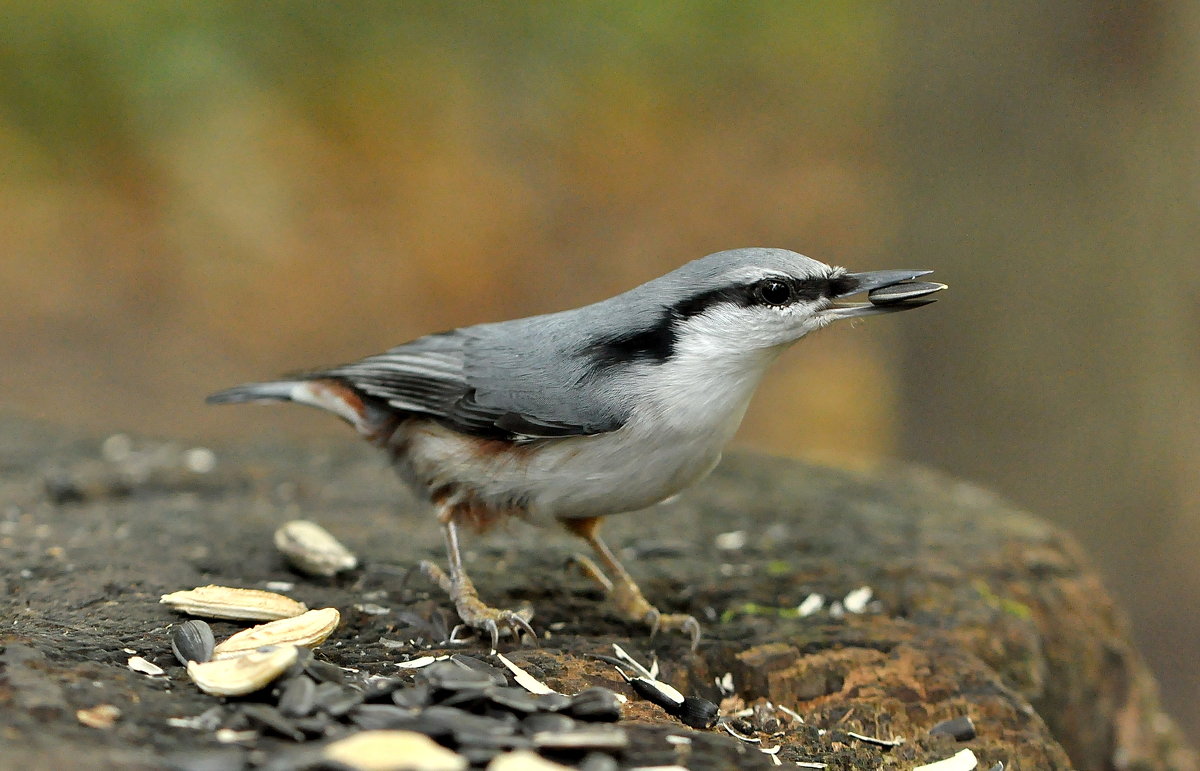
485	381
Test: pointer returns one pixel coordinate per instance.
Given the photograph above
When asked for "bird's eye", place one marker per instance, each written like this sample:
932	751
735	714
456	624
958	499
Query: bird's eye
772	291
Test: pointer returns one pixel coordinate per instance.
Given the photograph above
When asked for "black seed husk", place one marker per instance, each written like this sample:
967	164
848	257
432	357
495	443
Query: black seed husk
650	691
595	704
266	716
961	728
225	759
598	761
697	712
540	722
521	700
298	697
497	675
453	677
193	641
414	696
324	672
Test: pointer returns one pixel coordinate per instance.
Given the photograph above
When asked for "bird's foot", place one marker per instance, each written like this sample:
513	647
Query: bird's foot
633	606
475	613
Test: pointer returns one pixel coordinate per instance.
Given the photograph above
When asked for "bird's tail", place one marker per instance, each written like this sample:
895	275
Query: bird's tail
278	391
329	394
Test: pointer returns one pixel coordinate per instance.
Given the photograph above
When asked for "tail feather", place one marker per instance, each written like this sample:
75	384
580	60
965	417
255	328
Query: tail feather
277	391
328	394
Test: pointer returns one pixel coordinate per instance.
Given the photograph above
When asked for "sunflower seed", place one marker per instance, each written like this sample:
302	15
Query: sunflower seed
520	700
266	716
306	630
299	697
541	722
961	728
324	672
582	739
697	712
228	602
524	760
497	675
310	548
904	291
139	664
450	676
963	760
192	641
385	750
373	717
412	697
595	704
243	674
337	700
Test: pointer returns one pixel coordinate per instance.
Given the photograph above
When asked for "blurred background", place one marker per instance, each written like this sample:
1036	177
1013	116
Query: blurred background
198	194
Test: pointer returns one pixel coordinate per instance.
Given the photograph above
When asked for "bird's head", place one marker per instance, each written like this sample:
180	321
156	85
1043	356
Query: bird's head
757	299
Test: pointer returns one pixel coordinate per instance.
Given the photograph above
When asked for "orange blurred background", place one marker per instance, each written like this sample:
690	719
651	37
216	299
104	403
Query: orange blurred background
196	195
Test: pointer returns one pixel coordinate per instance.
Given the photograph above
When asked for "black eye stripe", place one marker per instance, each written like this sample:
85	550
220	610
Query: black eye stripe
747	295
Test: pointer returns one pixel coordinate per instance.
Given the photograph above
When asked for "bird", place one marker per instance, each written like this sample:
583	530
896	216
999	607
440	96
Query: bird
572	416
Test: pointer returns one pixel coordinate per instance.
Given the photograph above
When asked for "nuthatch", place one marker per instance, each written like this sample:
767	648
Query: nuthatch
575	415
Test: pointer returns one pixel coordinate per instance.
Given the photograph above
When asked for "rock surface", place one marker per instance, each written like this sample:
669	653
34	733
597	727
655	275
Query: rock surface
975	609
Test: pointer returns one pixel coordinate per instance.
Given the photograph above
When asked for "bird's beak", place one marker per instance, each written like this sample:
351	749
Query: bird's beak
887	290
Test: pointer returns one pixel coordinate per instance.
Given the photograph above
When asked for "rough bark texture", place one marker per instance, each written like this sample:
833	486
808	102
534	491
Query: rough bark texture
978	610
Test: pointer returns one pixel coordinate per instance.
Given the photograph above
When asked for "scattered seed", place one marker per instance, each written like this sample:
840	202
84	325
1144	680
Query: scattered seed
450	676
323	671
192	641
810	605
298	697
393	750
729	729
102	716
583	739
697	712
520	700
311	549
139	664
243	674
337	700
266	716
208	720
523	678
875	740
731	541
964	760
540	722
524	760
306	630
596	704
417	663
856	600
478	665
412	697
961	728
229	602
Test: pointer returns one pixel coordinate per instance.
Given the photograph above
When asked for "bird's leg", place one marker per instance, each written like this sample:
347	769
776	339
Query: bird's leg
621	588
473	612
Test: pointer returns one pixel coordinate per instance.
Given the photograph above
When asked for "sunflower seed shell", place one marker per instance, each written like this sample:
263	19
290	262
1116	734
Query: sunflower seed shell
380	750
228	602
307	630
311	549
244	674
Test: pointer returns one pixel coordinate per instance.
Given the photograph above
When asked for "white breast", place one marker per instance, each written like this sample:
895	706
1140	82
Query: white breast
685	411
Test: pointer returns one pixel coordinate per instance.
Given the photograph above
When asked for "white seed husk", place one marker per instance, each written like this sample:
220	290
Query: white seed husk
312	550
242	674
524	760
229	602
306	630
393	751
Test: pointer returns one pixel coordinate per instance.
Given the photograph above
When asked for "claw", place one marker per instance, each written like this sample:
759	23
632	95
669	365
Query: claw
490	627
519	625
692	627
